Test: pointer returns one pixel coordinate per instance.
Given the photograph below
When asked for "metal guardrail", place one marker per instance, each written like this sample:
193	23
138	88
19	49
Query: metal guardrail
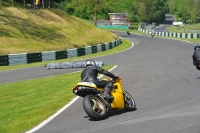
173	34
25	58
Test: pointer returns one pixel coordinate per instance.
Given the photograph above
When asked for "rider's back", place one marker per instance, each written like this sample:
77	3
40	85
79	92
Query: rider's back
197	54
89	72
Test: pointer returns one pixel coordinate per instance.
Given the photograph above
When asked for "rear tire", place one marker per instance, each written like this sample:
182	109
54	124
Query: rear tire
129	102
94	107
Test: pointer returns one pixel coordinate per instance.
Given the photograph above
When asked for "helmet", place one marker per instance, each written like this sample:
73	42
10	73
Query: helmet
90	63
197	47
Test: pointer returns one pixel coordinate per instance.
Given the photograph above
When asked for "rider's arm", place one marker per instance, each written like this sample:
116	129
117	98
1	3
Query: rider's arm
107	73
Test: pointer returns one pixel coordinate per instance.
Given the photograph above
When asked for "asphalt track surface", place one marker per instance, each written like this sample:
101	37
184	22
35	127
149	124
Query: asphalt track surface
157	72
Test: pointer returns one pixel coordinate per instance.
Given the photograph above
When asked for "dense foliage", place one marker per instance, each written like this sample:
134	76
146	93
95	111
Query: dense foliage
31	3
138	10
186	10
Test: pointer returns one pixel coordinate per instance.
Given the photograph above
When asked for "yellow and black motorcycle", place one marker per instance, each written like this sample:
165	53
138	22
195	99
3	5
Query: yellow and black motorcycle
96	106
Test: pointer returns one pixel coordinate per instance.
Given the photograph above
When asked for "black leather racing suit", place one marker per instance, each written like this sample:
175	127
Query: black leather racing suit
196	58
90	73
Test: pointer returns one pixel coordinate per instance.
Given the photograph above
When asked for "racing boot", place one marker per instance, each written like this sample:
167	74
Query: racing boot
106	94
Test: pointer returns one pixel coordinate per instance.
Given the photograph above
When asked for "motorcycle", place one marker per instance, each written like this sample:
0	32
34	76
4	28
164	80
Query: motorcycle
96	106
152	34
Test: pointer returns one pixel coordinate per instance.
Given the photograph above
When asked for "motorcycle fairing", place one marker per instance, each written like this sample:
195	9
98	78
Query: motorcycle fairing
117	93
90	84
84	88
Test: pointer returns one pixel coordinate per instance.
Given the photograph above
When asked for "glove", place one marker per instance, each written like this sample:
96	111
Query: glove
116	77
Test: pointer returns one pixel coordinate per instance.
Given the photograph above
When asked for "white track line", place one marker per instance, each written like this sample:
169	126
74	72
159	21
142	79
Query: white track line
52	117
59	111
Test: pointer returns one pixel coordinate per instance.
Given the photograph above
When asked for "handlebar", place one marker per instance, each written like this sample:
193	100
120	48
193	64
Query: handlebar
117	79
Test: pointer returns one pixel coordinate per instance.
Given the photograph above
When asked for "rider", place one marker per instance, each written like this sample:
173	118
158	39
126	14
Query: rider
90	73
196	56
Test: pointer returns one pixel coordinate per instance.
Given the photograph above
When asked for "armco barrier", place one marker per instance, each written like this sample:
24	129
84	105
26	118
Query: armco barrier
48	55
107	46
103	48
72	53
113	44
99	48
15	59
24	58
88	50
4	60
94	49
34	57
110	45
173	34
61	54
81	51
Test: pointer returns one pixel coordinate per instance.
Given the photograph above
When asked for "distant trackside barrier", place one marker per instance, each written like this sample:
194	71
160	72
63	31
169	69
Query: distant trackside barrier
173	34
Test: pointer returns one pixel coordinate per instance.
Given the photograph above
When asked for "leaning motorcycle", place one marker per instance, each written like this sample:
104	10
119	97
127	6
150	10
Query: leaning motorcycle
152	34
96	106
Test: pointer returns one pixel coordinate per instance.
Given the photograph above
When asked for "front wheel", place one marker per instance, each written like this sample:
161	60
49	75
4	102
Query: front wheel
94	107
130	104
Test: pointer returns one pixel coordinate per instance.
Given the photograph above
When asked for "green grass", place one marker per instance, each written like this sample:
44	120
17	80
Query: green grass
188	27
173	29
25	104
193	26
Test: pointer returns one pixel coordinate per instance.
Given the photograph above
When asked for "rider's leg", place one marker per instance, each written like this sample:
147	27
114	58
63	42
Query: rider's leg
107	90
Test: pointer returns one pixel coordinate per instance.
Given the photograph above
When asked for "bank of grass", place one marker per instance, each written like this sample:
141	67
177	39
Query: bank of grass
173	29
192	27
186	26
125	45
25	104
28	30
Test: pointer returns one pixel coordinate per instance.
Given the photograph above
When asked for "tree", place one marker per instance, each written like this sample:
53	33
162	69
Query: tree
84	4
161	8
145	10
195	12
171	4
184	13
126	6
139	9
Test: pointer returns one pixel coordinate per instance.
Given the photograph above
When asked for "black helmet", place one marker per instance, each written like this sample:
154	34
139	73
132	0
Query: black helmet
90	63
197	47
